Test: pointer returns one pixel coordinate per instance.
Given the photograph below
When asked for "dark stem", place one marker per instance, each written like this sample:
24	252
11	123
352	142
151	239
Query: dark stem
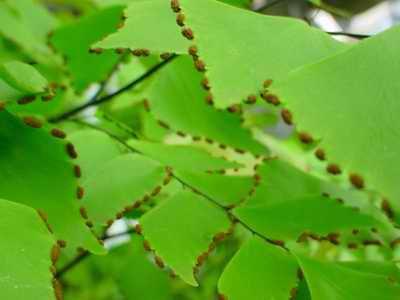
353	35
82	256
107	98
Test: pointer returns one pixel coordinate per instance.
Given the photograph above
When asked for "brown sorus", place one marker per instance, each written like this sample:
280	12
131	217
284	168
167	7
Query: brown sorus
333	169
306	138
159	262
251	99
80	192
96	50
26	100
320	154
188	33
55	254
387	209
267	83
71	151
175	6
180	19
58	133
165	55
62	243
48	97
357	181
205	83
137	52
287	116
200	65
83	212
32	122
77	171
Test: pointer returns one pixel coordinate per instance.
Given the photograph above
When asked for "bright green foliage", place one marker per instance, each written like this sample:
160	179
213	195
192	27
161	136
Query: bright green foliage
74	42
179	164
95	149
373	281
27	25
18	80
178	239
150	25
138	277
27	157
119	184
176	98
25	266
182	157
367	145
281	213
261	270
250	59
225	189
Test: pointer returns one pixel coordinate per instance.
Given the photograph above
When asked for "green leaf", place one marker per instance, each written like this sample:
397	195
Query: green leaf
17	27
182	157
36	171
177	99
95	149
74	41
23	77
138	277
239	3
262	49
227	190
288	203
260	271
26	246
120	184
174	231
334	281
150	25
354	122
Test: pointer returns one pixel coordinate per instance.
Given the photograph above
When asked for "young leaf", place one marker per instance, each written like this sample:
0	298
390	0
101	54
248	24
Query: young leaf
36	171
26	246
150	25
181	229
261	270
365	145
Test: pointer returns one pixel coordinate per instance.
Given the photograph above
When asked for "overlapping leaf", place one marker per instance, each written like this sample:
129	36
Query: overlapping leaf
266	48
74	42
177	99
227	190
25	249
349	102
150	25
36	171
288	203
346	281
260	271
181	229
182	157
19	80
